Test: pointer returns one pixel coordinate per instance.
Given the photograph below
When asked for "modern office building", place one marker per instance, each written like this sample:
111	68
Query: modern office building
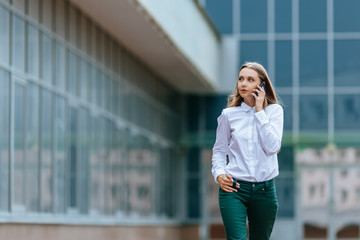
108	114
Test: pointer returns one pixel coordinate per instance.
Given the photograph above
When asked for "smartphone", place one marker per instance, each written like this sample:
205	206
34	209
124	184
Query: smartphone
262	84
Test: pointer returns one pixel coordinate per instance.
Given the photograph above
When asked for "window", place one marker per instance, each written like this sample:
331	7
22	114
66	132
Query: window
4	143
283	64
346	63
347	112
312	16
313	63
253	16
222	15
18	46
283	17
46	66
313	112
4	36
346	16
33	51
33	147
253	51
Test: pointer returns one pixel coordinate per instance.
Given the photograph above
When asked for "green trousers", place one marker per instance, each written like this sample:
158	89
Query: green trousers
256	201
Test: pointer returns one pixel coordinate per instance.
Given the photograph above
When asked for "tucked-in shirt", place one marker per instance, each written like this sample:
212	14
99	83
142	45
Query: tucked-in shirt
251	140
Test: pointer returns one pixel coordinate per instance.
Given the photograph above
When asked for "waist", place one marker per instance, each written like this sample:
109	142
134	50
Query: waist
253	184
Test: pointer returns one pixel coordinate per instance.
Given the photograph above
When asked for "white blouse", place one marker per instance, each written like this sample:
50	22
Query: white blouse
251	140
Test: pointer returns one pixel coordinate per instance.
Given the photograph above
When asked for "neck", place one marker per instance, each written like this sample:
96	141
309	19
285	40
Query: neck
250	101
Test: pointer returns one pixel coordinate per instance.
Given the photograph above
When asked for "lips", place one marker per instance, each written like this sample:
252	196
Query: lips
243	91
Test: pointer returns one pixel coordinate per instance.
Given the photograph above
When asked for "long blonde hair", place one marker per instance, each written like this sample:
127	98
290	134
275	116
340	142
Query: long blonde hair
270	98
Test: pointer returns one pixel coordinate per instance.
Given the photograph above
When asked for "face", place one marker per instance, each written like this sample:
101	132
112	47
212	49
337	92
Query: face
247	83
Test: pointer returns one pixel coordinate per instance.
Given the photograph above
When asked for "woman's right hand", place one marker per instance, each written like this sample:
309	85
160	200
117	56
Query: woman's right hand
226	182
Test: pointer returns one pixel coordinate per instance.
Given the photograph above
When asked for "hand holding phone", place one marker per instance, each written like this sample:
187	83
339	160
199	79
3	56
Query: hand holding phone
262	85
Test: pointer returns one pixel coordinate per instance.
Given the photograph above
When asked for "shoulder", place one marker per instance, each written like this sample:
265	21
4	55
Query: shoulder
229	110
274	107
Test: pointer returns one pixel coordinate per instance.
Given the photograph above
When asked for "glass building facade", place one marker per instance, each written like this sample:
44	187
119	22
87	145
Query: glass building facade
87	128
311	51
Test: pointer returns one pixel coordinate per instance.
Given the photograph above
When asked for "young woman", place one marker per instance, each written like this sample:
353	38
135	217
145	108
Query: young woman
244	160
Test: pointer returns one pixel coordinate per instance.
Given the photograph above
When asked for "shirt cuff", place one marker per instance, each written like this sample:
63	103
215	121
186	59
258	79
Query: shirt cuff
217	173
261	117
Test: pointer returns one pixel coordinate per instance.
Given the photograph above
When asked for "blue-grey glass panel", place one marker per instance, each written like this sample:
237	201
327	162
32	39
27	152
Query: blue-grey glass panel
285	189
347	112
83	165
73	158
193	109
60	66
221	13
347	63
312	16
253	51
287	104
193	198
4	140
4	36
253	16
46	58
72	73
46	198
33	51
313	112
286	159
346	15
19	146
18	43
60	154
33	146
96	165
313	63
283	64
213	107
283	17
83	78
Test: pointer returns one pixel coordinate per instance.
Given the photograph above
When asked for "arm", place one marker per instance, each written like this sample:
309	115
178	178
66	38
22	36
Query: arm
221	146
270	128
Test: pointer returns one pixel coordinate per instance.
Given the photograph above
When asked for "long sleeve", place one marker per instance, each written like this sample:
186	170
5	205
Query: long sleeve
221	146
270	128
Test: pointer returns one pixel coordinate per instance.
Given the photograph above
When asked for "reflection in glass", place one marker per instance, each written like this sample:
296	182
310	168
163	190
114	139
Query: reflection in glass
141	177
60	154
346	63
18	44
4	142
313	112
313	63
82	154
287	104
347	111
19	147
33	147
4	35
46	199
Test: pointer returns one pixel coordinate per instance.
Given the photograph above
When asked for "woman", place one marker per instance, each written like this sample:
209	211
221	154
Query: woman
249	136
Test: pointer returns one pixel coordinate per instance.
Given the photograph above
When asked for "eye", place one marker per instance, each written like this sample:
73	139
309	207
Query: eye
251	80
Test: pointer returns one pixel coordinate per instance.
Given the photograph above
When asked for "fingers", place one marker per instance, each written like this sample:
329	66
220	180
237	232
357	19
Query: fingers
227	182
227	188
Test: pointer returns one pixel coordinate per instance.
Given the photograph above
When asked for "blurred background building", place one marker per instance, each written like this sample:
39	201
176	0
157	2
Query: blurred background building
108	114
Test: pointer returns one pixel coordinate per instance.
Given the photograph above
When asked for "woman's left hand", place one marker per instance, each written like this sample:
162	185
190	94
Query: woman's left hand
259	99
